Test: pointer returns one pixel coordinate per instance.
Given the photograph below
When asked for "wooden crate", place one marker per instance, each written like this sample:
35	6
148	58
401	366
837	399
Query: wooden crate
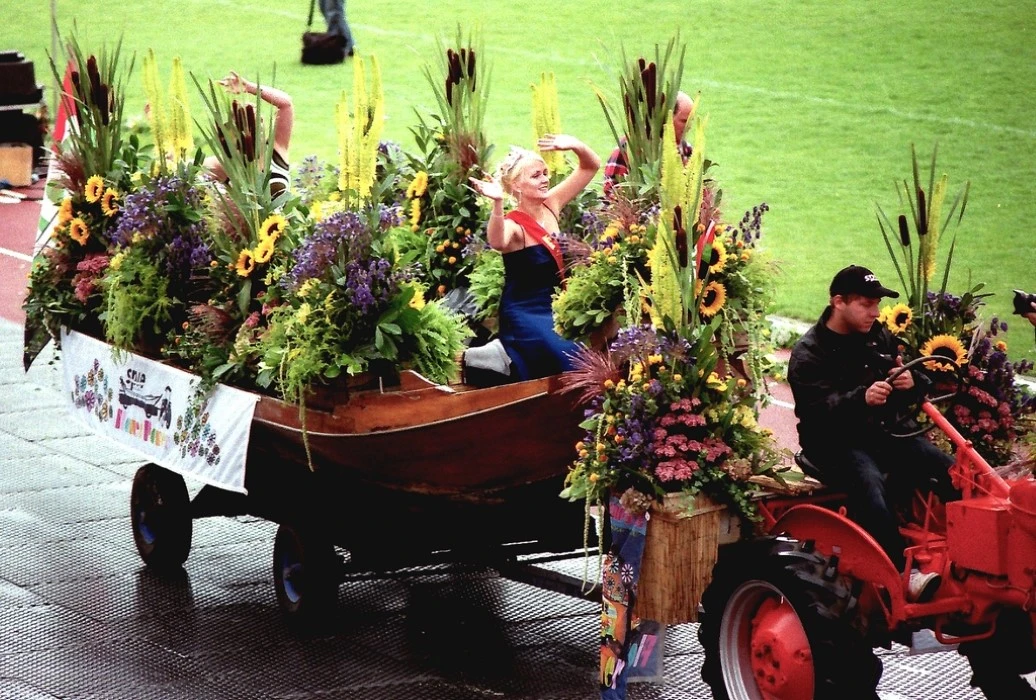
16	164
681	547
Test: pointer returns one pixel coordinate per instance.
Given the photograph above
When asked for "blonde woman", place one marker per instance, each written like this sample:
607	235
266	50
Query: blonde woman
527	237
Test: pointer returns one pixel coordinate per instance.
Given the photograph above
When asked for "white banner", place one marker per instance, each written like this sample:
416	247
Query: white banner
150	408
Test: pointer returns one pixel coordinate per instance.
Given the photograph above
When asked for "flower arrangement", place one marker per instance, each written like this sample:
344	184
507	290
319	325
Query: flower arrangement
346	305
453	148
664	416
992	409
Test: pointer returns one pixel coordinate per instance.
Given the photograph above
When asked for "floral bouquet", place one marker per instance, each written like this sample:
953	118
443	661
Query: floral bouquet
992	409
95	164
345	304
663	415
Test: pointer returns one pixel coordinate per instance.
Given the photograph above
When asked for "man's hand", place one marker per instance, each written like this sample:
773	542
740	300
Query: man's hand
904	380
878	393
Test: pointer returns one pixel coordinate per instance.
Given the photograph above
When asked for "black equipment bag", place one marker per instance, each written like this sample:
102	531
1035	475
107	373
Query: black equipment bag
321	48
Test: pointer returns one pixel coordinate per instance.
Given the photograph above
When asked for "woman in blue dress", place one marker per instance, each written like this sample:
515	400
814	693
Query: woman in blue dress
527	238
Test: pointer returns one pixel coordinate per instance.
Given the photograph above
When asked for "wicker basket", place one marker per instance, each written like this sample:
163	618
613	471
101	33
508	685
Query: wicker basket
680	550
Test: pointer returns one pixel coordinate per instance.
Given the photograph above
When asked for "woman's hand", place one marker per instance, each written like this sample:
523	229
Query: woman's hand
488	188
233	83
558	142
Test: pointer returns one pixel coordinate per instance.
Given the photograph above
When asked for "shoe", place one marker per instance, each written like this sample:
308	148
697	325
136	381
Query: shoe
921	586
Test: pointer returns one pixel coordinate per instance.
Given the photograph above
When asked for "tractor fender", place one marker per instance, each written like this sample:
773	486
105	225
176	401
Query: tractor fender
859	555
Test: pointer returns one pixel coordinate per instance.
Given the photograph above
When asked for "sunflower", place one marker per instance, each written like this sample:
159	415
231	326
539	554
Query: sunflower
272	227
79	231
94	188
245	263
944	346
718	258
899	317
712	300
264	251
110	202
65	213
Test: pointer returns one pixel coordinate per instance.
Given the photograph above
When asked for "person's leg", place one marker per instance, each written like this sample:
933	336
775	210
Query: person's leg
350	45
855	472
334	15
921	465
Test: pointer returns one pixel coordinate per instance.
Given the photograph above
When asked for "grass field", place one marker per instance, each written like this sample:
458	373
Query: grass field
812	104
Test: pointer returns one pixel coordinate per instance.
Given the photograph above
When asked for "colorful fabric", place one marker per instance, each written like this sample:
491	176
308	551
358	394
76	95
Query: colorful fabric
619	576
153	409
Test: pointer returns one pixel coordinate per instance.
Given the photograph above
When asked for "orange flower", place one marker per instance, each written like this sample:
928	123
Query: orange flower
65	213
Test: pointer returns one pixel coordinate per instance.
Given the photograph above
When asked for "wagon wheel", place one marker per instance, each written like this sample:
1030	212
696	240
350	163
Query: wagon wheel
160	510
305	574
998	663
776	624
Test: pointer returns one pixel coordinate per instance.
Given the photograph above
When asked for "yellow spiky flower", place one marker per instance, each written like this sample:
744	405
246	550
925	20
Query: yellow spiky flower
666	296
156	112
181	132
546	118
359	130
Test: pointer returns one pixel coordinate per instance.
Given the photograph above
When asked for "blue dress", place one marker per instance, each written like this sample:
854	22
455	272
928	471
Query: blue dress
526	321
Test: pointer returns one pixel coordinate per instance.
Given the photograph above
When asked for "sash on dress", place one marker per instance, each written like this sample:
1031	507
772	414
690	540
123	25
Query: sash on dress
541	235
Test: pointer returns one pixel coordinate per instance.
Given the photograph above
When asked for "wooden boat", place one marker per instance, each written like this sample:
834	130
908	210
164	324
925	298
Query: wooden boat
454	442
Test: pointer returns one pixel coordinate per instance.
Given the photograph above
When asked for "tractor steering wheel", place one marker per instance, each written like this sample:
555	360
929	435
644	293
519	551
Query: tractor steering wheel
936	365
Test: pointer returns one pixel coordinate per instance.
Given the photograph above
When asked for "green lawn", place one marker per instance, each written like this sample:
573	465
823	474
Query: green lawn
812	105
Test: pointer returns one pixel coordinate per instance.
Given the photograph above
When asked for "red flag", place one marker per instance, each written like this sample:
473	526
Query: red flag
705	240
66	106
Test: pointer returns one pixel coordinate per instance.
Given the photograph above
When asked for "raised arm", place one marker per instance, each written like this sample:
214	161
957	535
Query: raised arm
589	163
500	232
284	120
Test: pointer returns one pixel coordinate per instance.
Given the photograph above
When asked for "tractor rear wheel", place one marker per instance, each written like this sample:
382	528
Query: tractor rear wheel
776	623
999	664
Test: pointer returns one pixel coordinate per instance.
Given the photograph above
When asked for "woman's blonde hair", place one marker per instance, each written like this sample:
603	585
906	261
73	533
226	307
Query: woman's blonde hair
511	166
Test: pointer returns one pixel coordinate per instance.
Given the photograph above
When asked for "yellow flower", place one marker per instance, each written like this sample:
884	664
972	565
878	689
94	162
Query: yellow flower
264	251
334	196
1001	346
944	346
718	260
272	227
883	315
245	263
452	260
65	213
714	382
110	202
898	318
306	287
713	298
417	301
415	212
419	185
117	259
79	231
303	313
94	188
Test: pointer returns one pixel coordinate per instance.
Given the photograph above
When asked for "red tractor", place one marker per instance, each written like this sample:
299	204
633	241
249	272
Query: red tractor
796	615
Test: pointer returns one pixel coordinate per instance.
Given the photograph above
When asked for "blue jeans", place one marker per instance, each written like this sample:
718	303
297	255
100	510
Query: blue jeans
334	15
881	475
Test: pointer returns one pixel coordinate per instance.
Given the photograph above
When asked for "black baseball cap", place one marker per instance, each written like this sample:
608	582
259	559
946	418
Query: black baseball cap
859	280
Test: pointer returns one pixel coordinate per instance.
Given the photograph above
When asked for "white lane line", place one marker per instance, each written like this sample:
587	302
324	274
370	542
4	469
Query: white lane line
782	404
15	254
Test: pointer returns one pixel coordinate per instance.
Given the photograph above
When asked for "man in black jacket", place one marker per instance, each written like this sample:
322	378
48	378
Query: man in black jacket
839	375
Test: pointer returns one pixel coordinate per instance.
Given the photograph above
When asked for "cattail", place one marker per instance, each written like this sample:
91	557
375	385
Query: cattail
471	68
922	212
681	236
95	77
648	78
904	232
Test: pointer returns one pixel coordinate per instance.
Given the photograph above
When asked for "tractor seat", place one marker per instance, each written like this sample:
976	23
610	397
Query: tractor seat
808	468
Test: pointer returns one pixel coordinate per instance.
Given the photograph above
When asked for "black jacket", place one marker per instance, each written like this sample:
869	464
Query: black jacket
829	374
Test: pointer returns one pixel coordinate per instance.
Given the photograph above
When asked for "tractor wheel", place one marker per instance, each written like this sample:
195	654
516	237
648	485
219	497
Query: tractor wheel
160	511
306	576
999	664
777	623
